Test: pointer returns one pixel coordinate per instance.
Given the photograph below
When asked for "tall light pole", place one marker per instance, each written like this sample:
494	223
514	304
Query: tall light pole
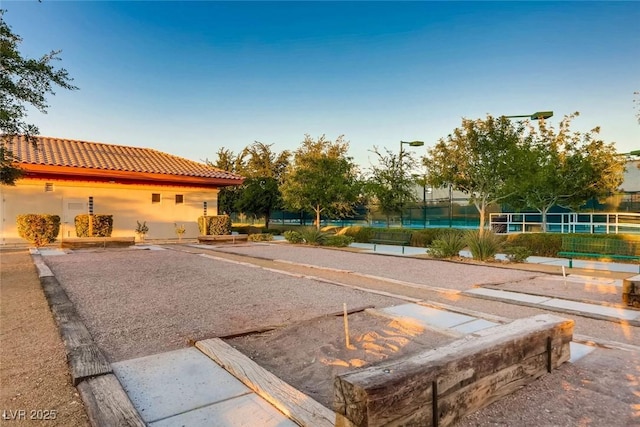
410	144
450	206
535	116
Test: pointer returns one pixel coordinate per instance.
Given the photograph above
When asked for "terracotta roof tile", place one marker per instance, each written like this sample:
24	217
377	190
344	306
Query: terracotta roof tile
93	155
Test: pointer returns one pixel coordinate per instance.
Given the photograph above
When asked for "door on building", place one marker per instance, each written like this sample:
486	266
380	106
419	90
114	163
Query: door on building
70	209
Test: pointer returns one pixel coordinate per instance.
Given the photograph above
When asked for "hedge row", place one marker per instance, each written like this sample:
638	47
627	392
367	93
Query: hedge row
214	225
102	225
250	229
539	244
38	229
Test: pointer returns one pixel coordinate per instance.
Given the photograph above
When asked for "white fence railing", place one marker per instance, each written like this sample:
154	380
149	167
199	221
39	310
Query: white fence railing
570	222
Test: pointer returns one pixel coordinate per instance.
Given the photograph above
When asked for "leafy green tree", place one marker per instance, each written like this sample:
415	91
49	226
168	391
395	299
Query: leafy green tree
264	169
322	179
259	160
390	182
23	82
228	161
564	168
479	159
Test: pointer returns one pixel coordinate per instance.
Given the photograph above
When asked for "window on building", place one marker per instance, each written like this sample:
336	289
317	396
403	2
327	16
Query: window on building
179	199
48	186
155	198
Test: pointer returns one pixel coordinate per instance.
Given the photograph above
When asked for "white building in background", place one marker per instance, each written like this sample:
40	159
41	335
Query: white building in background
132	184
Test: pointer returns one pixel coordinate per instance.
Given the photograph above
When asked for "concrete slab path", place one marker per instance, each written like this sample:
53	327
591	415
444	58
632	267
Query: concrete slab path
558	304
186	388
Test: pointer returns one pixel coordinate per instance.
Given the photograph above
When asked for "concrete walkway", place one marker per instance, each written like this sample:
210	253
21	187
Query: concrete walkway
597	311
186	388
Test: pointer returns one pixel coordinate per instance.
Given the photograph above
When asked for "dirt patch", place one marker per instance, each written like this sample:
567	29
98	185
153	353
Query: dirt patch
34	376
310	354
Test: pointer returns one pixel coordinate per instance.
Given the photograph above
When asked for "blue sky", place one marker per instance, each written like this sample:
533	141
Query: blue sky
191	77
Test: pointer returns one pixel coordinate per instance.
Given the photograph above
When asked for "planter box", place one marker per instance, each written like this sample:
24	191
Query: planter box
97	242
222	238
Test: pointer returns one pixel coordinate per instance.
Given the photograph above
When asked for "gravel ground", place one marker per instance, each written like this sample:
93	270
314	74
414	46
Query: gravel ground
138	302
600	390
397	268
34	376
142	302
422	271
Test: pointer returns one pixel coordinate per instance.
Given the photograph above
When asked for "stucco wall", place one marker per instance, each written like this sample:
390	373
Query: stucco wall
127	204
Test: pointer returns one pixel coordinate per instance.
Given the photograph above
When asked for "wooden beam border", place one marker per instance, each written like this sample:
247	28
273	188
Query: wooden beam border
296	405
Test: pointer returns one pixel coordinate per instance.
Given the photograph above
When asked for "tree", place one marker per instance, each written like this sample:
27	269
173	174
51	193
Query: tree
477	159
227	196
23	82
390	182
259	196
322	179
565	168
264	170
637	102
259	160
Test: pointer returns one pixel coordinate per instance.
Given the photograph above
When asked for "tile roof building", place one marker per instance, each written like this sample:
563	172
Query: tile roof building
64	177
93	160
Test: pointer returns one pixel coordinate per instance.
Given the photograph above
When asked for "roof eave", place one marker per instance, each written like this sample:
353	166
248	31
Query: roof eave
86	174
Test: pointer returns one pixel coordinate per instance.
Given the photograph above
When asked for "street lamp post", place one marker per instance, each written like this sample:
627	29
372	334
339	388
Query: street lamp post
535	116
450	206
410	144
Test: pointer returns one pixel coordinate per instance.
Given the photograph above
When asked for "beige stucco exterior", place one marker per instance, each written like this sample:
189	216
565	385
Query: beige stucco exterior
127	203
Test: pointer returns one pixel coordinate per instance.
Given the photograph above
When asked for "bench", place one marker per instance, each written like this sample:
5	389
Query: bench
599	248
402	238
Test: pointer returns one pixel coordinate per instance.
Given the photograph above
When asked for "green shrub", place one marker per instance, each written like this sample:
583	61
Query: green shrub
448	243
339	241
423	238
359	234
274	231
260	237
38	229
517	253
250	229
214	225
293	236
102	225
540	244
313	236
484	246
